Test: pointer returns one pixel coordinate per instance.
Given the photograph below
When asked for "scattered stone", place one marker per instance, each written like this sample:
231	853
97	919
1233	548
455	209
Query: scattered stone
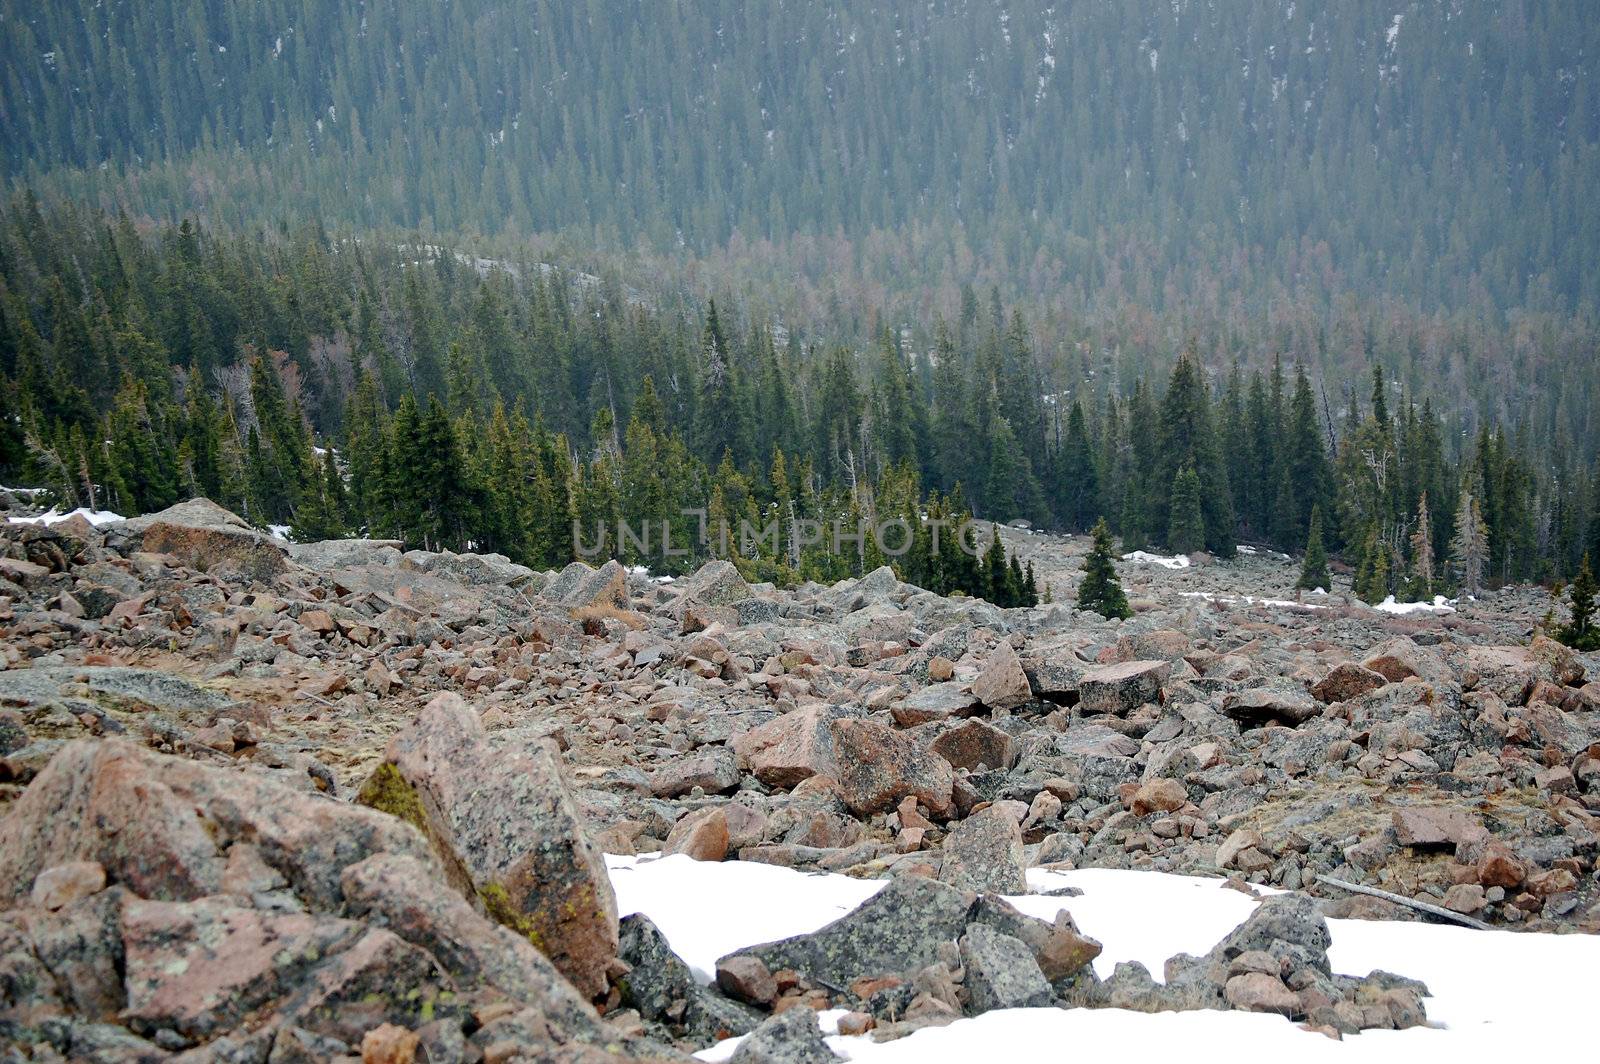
1122	688
1262	705
1159	795
702	835
975	743
878	767
1346	681
504	824
747	979
791	748
1002	684
1000	972
791	1037
983	854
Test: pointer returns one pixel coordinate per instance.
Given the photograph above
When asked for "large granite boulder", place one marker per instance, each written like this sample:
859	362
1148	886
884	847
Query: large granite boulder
203	536
507	830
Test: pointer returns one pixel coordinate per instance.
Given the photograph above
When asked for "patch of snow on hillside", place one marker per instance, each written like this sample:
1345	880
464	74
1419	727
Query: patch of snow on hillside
1250	600
1494	994
1440	604
707	910
94	517
1176	561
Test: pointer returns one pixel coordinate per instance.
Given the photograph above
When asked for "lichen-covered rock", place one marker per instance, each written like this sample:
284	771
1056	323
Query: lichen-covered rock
1002	684
897	930
201	968
1000	972
164	827
792	748
878	766
983	853
791	1037
203	536
409	898
662	988
503	822
1123	687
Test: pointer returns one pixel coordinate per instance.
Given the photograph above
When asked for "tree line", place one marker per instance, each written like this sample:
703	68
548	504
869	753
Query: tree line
336	385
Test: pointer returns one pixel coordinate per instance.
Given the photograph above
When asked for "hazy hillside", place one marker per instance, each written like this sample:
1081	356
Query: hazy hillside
1444	153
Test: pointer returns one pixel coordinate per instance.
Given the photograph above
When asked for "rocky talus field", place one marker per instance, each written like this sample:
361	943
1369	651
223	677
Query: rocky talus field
263	802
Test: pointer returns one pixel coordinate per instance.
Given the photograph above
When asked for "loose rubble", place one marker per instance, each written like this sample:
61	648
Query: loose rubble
334	800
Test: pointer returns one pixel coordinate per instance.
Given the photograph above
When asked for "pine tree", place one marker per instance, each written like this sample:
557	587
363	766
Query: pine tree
1422	574
996	588
1100	590
1581	632
1314	573
1186	527
719	420
321	513
1016	584
1079	484
1186	437
1469	550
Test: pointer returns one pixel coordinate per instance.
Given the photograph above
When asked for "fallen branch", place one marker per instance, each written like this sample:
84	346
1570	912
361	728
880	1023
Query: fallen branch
1410	903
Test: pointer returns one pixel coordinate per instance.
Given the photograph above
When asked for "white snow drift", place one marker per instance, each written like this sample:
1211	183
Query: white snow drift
1496	994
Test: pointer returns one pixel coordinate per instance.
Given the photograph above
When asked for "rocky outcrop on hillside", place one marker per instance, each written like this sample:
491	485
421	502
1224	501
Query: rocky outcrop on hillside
262	801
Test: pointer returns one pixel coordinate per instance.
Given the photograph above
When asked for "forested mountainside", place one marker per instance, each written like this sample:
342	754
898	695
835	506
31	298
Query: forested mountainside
496	406
1218	273
1440	152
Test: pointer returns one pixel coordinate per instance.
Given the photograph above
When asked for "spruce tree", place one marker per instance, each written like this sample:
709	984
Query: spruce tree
1016	584
996	588
1079	485
1185	436
1186	527
1305	462
719	419
1469	549
1100	590
1314	573
1422	574
321	513
1378	586
1581	632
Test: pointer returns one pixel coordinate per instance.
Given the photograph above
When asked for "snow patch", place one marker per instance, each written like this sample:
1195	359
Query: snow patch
1250	600
709	909
1176	561
1440	604
94	517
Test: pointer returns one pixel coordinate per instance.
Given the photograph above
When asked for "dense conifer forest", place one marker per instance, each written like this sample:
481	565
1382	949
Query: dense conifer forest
1298	276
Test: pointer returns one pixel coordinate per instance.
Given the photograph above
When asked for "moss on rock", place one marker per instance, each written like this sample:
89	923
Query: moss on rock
388	792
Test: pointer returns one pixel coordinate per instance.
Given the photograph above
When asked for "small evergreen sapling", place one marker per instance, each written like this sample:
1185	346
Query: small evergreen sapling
1581	632
1100	591
1314	574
